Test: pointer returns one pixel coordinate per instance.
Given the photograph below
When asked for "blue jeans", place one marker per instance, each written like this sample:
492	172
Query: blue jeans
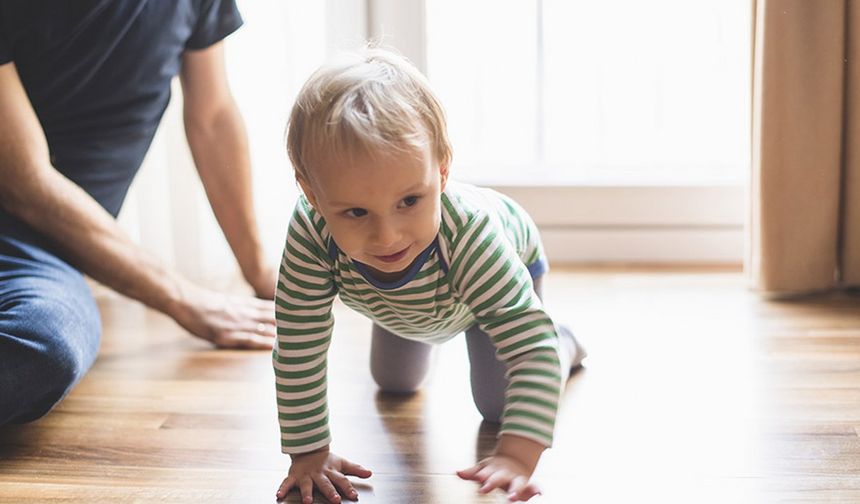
49	324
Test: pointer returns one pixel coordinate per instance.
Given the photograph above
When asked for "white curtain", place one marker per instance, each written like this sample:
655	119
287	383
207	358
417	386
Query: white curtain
268	60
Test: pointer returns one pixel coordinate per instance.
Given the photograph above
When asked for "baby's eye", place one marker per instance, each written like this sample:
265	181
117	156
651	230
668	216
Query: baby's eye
410	201
356	212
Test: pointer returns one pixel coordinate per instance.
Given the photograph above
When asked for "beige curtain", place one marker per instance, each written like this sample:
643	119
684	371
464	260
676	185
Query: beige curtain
805	187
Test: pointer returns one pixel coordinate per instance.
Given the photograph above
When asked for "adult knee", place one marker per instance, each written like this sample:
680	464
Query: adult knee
51	350
56	372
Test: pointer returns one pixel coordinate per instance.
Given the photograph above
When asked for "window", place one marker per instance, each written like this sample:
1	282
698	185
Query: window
622	126
583	92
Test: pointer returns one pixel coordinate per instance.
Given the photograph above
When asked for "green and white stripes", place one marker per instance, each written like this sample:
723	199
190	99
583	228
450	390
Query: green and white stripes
485	241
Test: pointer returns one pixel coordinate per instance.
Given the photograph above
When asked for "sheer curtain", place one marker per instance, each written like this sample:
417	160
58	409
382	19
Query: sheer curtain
468	56
268	60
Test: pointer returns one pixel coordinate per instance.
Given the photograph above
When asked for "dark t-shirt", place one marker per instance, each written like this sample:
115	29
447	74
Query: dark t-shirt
98	75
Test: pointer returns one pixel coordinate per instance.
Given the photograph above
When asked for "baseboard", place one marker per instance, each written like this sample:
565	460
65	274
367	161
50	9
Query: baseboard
637	224
679	246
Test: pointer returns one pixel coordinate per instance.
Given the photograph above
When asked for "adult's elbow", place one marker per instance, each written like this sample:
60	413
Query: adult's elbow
19	188
203	120
10	198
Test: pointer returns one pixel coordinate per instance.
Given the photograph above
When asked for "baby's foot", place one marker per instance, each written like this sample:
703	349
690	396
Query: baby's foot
571	347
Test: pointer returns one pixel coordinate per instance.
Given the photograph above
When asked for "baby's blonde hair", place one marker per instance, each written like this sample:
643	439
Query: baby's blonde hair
372	102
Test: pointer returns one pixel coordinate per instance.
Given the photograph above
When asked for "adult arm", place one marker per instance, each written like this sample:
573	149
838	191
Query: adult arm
32	190
219	145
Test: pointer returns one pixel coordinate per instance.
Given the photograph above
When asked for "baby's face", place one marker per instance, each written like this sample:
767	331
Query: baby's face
383	210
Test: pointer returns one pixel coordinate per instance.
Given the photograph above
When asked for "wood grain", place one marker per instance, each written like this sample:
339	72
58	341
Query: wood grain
696	390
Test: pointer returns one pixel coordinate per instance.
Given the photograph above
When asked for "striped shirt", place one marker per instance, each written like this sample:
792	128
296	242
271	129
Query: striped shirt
478	270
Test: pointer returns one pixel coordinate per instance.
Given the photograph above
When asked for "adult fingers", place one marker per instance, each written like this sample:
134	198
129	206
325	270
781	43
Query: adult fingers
267	328
343	484
262	322
245	340
260	305
265	325
265	314
253	341
326	488
258	310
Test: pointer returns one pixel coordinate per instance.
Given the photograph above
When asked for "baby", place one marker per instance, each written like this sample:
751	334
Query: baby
424	258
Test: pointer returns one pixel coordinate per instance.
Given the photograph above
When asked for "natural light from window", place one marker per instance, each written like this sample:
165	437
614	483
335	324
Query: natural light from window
583	92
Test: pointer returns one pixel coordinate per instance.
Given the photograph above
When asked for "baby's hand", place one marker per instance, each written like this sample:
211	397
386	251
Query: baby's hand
505	472
325	471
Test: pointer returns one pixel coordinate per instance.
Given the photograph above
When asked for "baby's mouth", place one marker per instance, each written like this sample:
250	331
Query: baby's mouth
393	257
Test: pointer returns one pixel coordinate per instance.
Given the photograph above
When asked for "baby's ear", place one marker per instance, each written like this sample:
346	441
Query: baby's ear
443	172
308	190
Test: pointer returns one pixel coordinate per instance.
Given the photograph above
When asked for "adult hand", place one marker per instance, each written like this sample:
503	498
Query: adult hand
325	471
504	472
227	320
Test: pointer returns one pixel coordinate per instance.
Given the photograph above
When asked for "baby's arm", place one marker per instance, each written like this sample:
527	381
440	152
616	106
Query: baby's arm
509	468
303	301
527	416
493	281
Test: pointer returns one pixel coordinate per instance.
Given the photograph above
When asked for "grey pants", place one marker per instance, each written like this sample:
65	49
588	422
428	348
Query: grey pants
400	365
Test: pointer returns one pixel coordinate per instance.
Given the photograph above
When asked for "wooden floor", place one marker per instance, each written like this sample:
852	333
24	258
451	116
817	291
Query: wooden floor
696	390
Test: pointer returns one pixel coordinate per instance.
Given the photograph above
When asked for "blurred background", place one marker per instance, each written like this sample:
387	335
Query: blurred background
624	132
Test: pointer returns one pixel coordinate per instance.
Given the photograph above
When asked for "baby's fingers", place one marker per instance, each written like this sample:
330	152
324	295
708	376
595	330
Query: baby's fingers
499	479
326	488
343	484
470	473
354	469
285	487
307	487
521	489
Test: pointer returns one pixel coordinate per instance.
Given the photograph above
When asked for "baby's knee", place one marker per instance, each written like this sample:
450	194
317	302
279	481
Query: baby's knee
396	381
490	408
398	364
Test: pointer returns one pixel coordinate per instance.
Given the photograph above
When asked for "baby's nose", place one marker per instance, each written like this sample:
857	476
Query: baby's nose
386	235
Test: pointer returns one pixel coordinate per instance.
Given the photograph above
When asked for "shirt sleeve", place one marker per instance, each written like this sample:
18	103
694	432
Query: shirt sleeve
5	48
493	281
216	20
303	303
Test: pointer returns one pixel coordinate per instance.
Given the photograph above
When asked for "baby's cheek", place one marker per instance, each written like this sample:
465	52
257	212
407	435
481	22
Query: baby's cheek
348	240
433	219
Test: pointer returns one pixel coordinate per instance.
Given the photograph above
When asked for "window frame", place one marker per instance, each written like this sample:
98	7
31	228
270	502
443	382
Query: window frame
606	222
